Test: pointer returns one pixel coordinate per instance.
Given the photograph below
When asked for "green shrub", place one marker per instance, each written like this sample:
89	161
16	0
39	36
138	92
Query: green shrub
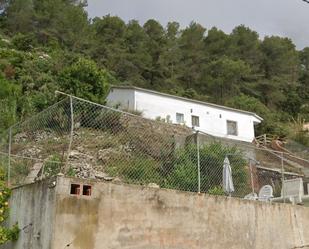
137	170
183	176
23	42
218	190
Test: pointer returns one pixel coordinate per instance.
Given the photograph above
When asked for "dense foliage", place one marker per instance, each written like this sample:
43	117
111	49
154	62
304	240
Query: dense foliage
6	234
179	170
52	44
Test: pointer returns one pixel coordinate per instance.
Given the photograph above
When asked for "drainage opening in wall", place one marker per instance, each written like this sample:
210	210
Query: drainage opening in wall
87	190
75	189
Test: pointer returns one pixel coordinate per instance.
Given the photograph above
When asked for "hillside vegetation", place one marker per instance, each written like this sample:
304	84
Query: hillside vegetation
52	44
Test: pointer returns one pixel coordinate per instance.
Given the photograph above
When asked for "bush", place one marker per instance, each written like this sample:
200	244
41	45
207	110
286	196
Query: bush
183	177
23	42
137	170
184	174
218	190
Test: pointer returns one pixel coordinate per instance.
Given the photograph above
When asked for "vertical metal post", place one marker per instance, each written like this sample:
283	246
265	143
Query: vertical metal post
251	174
282	177
71	134
198	162
9	157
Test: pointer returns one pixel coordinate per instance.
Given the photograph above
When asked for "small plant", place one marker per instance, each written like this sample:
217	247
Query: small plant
71	172
217	190
52	167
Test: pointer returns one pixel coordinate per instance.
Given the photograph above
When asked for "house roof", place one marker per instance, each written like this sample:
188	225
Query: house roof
188	100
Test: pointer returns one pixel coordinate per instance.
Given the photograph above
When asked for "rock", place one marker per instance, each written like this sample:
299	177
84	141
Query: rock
108	178
100	175
117	180
103	176
20	137
153	185
32	152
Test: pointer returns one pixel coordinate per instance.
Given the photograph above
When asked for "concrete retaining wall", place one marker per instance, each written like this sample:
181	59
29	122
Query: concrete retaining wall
122	216
32	207
133	217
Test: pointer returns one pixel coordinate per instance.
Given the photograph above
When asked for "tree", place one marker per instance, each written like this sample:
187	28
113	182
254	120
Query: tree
245	45
191	43
137	59
217	44
280	58
155	44
19	16
270	125
84	79
171	55
224	77
63	20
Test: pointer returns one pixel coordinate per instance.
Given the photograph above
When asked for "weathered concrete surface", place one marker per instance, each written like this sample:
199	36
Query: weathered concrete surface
132	217
32	206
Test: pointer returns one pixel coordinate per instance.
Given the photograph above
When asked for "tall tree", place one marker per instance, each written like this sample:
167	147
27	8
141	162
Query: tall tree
137	59
109	42
280	58
192	48
171	56
156	42
224	77
245	45
217	44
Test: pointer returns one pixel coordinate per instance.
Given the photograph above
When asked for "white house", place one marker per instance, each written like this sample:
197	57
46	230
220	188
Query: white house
216	120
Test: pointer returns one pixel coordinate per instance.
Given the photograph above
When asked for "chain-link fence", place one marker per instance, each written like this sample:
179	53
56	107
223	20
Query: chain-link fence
87	140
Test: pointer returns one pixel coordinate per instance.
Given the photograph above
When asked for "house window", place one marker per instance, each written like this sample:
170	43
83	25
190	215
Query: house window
232	128
75	189
180	118
87	190
195	121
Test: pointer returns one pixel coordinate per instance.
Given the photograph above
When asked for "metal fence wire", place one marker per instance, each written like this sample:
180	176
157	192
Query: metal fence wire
82	139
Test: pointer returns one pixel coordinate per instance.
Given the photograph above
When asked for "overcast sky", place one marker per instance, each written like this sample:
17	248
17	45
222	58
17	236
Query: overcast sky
268	17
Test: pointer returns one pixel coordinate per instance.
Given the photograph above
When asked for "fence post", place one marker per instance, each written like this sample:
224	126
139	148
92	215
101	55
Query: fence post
9	157
198	162
251	175
282	177
71	134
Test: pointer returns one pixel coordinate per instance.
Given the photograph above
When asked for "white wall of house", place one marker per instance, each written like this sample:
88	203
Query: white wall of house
123	97
212	120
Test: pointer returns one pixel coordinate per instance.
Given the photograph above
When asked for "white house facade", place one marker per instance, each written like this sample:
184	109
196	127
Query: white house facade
210	118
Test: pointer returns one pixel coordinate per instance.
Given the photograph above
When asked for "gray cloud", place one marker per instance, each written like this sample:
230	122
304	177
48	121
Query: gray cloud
268	17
